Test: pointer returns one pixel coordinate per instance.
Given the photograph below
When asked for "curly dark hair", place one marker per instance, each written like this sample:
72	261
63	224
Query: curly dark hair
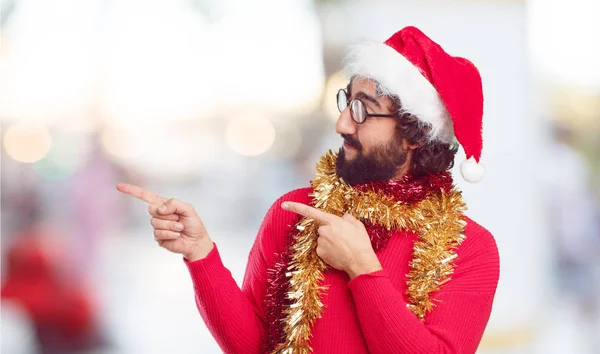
429	156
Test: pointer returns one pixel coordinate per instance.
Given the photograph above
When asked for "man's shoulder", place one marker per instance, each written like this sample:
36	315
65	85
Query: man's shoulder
479	240
300	195
478	259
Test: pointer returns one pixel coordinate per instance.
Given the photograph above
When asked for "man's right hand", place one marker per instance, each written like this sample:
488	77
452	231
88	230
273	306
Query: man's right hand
177	226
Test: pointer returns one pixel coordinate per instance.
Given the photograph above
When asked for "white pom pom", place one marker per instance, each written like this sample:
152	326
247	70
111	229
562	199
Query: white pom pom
471	170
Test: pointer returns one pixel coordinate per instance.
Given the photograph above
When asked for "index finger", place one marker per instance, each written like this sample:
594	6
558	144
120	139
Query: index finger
308	211
140	193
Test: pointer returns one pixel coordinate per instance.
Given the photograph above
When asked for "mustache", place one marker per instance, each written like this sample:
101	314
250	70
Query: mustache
351	141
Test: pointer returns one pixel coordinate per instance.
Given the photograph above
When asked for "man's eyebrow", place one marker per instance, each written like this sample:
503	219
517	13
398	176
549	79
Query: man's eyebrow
362	95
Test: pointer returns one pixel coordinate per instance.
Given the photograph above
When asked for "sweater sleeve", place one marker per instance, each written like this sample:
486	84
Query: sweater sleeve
234	315
457	322
230	313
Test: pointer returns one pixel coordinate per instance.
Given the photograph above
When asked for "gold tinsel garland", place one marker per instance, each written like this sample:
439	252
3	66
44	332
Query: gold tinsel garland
438	220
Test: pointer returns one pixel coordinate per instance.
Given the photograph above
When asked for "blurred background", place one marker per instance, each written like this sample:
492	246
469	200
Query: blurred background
228	105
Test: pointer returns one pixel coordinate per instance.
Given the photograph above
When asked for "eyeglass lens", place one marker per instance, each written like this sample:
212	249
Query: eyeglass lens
357	108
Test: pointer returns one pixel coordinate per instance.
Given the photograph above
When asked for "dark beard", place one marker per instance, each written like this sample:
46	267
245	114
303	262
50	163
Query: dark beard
382	164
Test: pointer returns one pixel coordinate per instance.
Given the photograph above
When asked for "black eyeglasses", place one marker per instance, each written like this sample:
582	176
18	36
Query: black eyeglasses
358	111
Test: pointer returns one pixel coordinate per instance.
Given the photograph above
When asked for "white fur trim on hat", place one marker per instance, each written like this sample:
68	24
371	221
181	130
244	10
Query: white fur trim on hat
398	76
471	170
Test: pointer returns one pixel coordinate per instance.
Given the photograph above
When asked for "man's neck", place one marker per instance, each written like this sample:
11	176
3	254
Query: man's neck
405	169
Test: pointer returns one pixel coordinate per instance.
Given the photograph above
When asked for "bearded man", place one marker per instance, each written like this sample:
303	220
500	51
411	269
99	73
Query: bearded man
377	255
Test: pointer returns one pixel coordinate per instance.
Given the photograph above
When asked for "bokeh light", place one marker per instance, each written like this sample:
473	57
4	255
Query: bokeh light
124	142
250	135
27	142
67	154
175	153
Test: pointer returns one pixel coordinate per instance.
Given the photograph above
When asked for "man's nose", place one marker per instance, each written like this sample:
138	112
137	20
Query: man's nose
345	124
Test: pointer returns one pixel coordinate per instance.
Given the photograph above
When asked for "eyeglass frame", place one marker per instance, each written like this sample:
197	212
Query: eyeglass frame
349	104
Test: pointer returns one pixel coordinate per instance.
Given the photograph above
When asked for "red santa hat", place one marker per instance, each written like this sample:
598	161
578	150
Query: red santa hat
441	90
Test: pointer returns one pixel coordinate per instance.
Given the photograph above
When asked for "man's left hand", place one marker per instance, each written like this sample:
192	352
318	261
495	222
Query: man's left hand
343	242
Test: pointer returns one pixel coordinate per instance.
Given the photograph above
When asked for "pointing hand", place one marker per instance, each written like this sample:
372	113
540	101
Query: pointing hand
177	226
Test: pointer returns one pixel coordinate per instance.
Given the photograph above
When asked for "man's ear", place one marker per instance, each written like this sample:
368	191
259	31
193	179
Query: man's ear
408	146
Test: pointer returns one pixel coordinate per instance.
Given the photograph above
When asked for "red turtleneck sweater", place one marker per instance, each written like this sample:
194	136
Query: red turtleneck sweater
365	315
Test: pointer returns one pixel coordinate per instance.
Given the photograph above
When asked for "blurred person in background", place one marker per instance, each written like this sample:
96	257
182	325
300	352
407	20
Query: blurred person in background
385	260
573	216
59	310
93	221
